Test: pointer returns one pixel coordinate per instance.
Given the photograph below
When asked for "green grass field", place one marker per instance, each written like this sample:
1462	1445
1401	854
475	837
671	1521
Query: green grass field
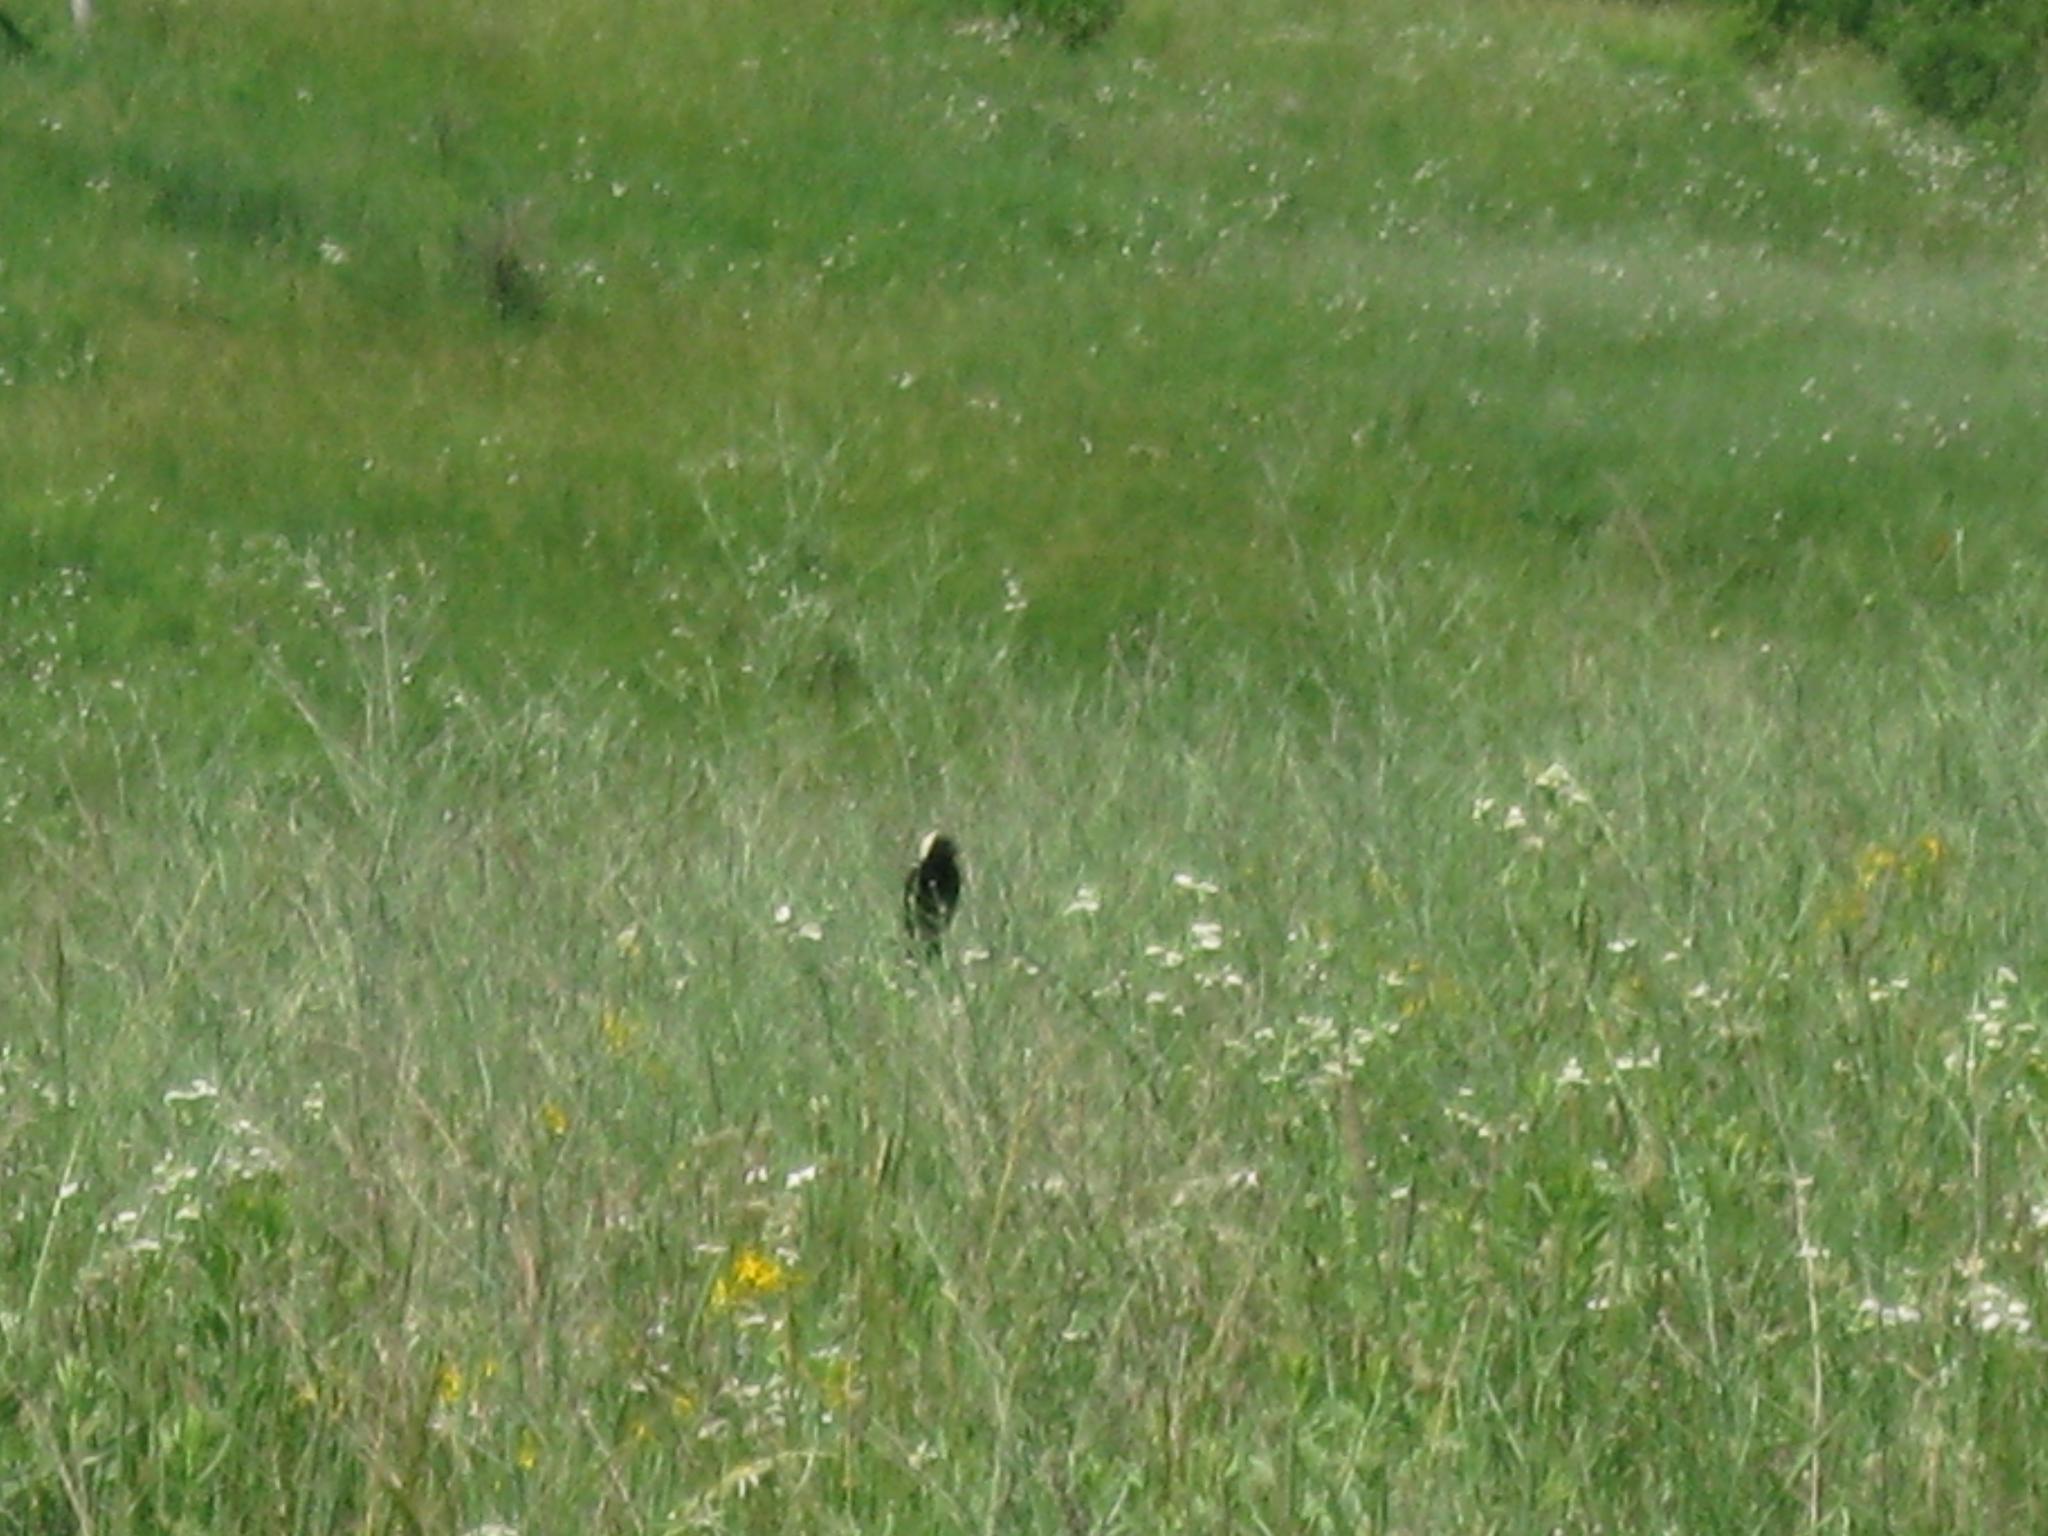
1468	576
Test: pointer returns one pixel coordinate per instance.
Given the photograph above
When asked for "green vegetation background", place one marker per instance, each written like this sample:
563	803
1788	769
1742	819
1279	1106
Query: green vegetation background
1468	575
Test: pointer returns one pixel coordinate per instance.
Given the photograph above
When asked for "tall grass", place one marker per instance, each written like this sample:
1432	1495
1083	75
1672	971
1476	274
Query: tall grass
1566	1077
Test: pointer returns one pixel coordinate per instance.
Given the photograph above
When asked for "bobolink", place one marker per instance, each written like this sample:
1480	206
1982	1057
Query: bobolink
931	892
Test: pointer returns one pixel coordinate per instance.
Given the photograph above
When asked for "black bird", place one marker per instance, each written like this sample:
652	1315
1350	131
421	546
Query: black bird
931	892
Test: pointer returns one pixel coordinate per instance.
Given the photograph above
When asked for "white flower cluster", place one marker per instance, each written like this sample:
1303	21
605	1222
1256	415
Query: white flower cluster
1557	796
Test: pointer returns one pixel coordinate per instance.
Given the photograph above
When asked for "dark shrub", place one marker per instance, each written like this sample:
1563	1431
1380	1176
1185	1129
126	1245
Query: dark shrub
1075	23
1828	18
500	250
1968	62
1965	66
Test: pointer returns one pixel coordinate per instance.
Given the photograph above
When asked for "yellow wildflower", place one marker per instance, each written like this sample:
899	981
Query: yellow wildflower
839	1384
554	1119
448	1383
1924	860
753	1273
1847	911
1916	863
1874	863
619	1029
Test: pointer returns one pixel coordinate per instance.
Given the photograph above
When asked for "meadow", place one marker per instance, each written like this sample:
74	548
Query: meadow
1468	577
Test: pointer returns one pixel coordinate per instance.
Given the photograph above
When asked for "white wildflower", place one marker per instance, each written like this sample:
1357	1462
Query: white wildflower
1557	782
1993	1309
1887	1314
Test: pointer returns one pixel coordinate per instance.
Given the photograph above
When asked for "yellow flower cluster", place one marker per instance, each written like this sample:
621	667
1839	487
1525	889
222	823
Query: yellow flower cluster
1881	872
620	1030
752	1274
1915	862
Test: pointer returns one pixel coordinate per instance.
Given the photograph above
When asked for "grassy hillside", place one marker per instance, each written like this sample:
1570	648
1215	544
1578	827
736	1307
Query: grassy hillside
556	299
1467	576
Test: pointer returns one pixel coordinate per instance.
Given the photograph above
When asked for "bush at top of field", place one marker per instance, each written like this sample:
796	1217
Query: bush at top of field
1972	62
